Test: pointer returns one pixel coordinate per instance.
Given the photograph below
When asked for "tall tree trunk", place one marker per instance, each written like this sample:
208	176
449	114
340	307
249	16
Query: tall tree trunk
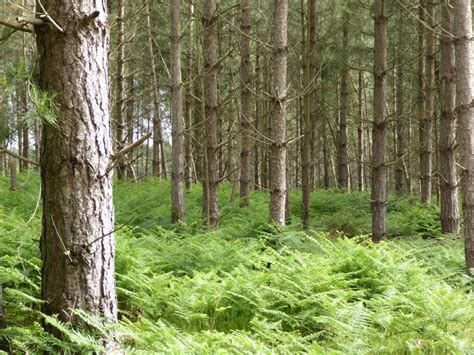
426	127
25	133
189	163
309	113
245	82
400	147
13	178
209	19
77	239
158	153
278	159
465	109
120	82
360	134
26	145
257	121
422	99
177	120
342	168
448	176
130	102
379	178
37	137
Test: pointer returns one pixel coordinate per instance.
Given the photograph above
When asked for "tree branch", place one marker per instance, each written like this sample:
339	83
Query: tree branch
9	152
119	155
15	27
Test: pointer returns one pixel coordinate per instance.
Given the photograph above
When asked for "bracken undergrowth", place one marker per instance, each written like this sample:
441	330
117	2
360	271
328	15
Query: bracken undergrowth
249	287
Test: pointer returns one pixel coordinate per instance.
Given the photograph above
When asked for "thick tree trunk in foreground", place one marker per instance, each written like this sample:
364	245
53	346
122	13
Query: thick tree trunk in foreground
448	175
465	110
379	188
77	242
278	147
308	115
209	19
245	82
177	119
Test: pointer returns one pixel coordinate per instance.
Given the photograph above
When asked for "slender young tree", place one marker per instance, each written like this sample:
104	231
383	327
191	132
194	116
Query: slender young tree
77	239
465	110
210	50
278	148
379	178
342	155
189	161
120	93
360	133
448	175
245	83
426	124
308	114
400	144
159	160
177	119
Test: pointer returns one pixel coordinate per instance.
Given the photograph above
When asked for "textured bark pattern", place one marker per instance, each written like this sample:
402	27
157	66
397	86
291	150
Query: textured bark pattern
465	109
77	243
342	158
209	19
245	82
308	115
278	153
177	120
379	178
448	177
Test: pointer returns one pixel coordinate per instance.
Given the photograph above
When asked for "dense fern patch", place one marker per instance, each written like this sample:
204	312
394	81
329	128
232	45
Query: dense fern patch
249	287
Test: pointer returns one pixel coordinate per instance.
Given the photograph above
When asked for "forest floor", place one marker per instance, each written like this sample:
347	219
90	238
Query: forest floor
248	287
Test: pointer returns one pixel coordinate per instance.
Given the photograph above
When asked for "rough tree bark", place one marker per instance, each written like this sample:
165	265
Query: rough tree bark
465	110
448	175
278	148
309	113
245	82
209	20
379	188
177	119
77	239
